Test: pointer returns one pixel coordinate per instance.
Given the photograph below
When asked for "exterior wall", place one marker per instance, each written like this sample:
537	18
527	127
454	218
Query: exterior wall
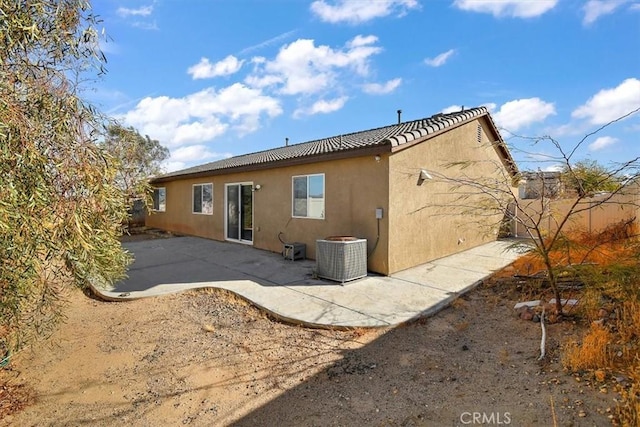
354	188
426	222
177	216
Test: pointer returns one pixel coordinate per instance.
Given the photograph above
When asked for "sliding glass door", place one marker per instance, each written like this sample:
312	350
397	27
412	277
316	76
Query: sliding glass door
239	212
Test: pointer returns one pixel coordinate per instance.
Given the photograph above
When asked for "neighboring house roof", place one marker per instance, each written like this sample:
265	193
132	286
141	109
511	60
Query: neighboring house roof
384	139
537	175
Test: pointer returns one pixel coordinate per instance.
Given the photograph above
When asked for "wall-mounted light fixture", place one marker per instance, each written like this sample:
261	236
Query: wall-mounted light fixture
424	175
257	187
377	158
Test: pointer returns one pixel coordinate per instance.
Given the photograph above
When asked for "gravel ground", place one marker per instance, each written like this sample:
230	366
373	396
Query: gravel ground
209	358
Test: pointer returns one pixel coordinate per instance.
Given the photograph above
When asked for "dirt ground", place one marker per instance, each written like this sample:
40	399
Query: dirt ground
210	359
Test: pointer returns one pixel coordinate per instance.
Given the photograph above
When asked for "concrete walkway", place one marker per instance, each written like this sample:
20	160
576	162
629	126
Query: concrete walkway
288	290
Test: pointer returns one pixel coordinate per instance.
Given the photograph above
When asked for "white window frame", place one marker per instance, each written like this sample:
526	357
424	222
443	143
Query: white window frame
161	208
193	195
324	196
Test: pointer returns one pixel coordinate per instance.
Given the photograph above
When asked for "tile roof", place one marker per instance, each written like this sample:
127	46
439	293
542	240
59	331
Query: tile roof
393	136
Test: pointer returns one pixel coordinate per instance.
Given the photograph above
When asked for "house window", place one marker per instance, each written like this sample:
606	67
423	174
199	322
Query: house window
159	199
308	196
203	199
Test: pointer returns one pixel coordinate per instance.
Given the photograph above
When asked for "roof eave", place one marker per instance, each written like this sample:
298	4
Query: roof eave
399	147
385	147
501	145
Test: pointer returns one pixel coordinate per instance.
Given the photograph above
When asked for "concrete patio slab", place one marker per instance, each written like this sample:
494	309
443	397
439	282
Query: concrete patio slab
289	291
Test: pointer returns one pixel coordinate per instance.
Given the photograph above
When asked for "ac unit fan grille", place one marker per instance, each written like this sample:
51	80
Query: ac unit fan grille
341	261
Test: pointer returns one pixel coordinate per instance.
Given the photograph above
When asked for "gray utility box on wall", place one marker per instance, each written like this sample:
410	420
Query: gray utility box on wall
341	258
294	251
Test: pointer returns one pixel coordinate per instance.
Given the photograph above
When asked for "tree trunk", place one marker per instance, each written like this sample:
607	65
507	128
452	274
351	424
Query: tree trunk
553	282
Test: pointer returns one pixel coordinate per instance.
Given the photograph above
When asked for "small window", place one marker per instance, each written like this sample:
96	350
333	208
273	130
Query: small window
203	199
159	199
308	196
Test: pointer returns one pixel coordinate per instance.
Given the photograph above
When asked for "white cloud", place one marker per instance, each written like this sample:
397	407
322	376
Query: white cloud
602	142
557	167
322	107
491	106
141	11
185	157
440	59
508	8
610	104
195	153
520	113
146	25
382	88
169	166
358	11
197	131
206	70
302	68
451	109
361	40
318	77
538	156
594	9
262	81
201	116
455	108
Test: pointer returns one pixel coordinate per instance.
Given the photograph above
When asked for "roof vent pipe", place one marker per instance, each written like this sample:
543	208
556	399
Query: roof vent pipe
399	116
462	108
286	142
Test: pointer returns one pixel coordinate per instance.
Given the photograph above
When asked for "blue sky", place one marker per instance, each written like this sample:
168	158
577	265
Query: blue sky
215	78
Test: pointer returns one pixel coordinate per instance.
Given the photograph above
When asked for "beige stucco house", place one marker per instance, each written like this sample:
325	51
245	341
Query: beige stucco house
375	184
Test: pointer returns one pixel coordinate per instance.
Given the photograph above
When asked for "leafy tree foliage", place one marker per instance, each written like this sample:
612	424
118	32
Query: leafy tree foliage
59	208
138	157
588	177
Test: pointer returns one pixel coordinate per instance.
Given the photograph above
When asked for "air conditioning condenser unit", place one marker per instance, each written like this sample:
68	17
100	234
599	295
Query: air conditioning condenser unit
341	259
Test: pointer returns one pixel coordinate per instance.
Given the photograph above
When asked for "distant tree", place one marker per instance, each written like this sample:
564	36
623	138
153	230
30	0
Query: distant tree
137	157
587	177
60	212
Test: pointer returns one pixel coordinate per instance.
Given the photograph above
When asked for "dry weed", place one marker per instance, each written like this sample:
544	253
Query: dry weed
553	412
590	304
504	356
495	300
607	264
628	322
458	303
593	353
613	245
613	346
359	332
13	397
628	409
461	326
